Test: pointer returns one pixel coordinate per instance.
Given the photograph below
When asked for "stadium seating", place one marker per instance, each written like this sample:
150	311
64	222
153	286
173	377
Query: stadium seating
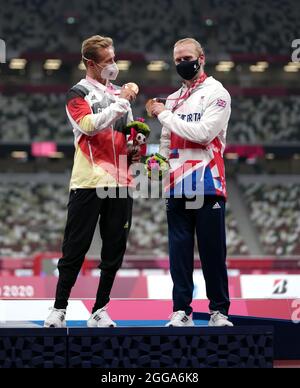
253	120
47	26
34	117
32	217
240	23
35	216
264	119
275	210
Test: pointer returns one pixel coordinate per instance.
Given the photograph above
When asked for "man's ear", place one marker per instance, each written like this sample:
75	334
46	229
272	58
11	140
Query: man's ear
91	63
202	59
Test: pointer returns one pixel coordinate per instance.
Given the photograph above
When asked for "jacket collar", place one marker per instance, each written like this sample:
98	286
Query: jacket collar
96	83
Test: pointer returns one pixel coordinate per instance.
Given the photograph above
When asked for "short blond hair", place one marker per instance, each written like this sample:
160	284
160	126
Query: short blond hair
197	45
90	47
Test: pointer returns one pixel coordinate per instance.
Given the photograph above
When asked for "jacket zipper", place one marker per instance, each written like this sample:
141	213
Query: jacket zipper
114	148
91	153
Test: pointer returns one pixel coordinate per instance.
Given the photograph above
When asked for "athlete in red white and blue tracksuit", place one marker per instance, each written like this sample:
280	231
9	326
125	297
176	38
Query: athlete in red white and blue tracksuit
194	121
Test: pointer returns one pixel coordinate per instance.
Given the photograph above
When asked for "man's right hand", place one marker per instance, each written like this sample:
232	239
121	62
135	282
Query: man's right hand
157	108
127	93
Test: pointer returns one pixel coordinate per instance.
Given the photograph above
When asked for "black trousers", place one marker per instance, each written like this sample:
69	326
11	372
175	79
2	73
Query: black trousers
84	208
209	224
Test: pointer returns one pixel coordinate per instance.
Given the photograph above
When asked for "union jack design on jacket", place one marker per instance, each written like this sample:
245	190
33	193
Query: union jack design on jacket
98	117
194	137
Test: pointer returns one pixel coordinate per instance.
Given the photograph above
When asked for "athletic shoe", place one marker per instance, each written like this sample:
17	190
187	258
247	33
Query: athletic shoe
218	320
57	318
179	318
100	318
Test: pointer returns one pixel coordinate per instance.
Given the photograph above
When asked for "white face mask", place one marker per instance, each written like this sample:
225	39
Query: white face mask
110	72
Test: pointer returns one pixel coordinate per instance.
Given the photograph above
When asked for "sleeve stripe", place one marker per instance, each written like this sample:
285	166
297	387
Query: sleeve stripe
78	108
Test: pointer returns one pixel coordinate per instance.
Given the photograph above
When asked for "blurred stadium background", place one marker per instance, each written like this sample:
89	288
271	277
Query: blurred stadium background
248	47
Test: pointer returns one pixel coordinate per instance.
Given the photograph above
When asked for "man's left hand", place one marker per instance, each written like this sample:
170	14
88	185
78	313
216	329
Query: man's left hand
134	154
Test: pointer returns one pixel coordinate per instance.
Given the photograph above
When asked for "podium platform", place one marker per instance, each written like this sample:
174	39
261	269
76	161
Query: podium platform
136	347
254	341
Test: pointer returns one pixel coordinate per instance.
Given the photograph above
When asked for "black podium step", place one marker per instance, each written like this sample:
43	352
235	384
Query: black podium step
137	347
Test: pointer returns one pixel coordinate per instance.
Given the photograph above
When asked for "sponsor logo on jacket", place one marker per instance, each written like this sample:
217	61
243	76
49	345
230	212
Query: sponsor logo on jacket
191	117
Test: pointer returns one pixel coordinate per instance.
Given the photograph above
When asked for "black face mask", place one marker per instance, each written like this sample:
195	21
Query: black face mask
188	69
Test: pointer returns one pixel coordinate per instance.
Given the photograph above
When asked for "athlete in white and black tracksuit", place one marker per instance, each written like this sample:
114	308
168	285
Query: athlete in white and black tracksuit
99	113
105	144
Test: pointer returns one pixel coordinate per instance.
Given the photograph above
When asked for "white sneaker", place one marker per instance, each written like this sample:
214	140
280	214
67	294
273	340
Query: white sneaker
57	318
179	318
218	320
100	318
